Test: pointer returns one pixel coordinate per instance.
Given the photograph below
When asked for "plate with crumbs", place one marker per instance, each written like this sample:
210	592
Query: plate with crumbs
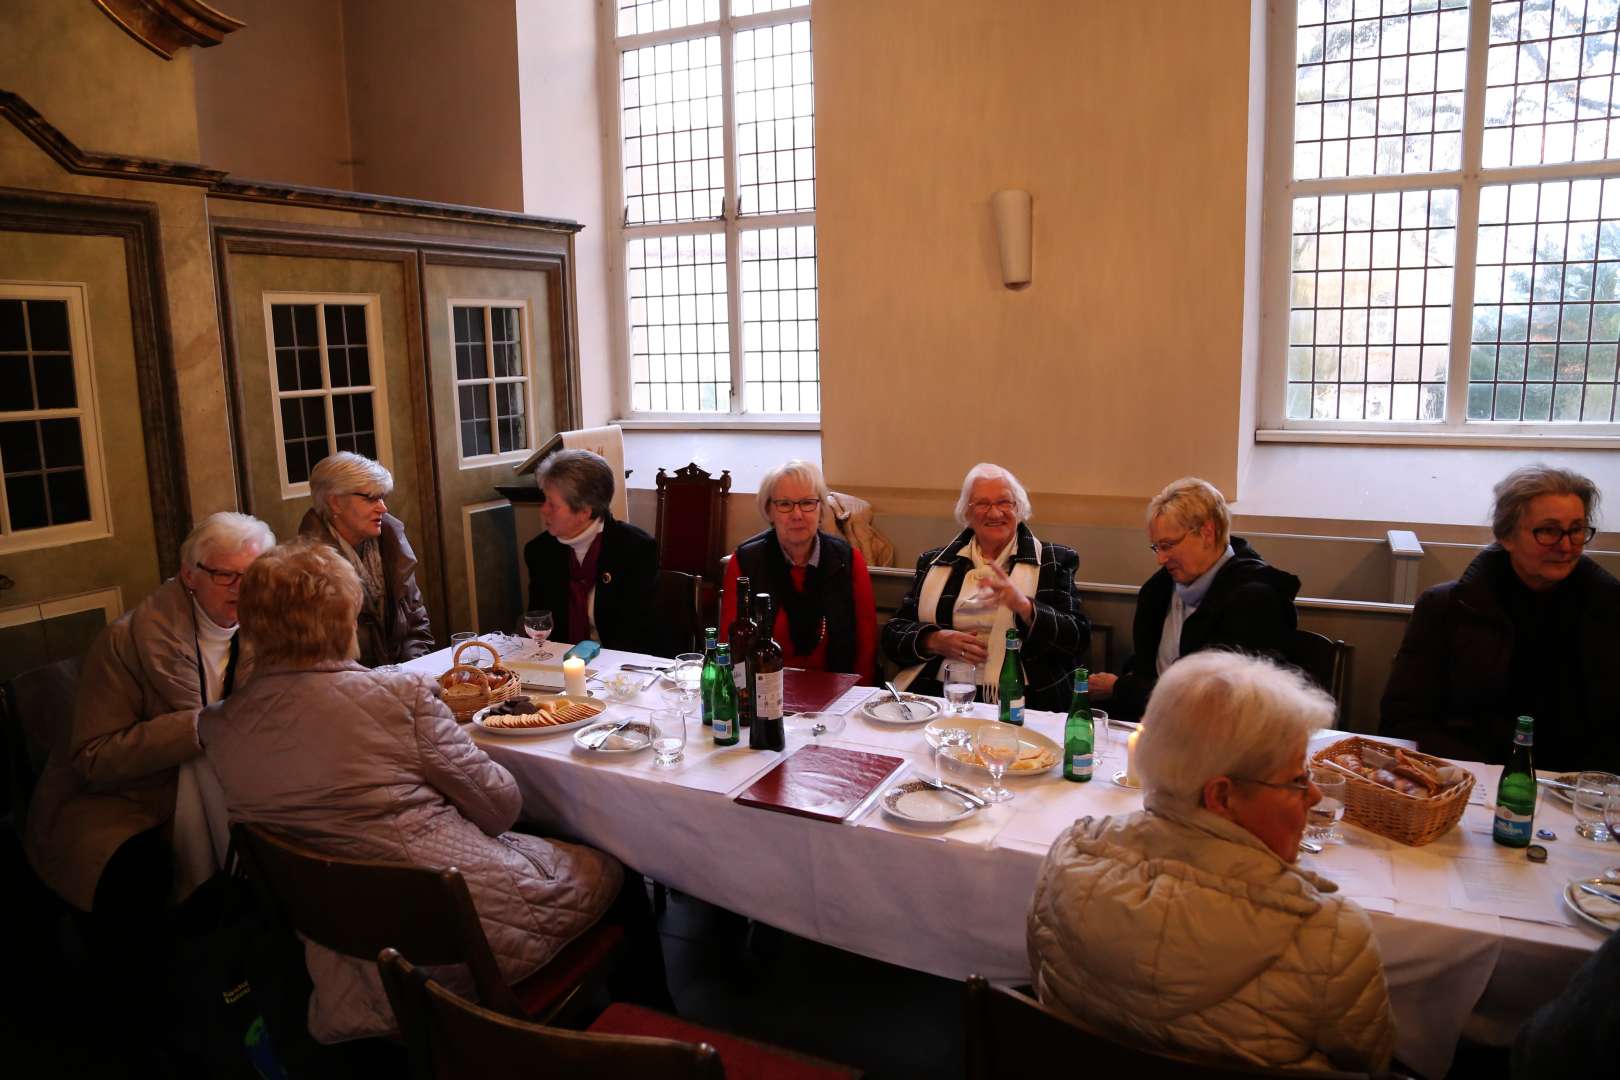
921	803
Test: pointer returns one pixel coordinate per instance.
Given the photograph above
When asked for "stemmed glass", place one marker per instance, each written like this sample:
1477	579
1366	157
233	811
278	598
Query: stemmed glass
685	683
538	624
997	744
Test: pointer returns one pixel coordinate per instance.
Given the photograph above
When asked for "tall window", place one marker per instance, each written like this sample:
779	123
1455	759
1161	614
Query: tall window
492	381
326	375
49	449
1448	176
716	113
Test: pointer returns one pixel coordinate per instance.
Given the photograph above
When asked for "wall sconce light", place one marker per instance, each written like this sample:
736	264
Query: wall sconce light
1013	210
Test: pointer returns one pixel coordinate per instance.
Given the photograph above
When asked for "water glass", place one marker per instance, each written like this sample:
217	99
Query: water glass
1321	818
961	680
668	737
997	745
1611	818
1589	799
685	681
460	639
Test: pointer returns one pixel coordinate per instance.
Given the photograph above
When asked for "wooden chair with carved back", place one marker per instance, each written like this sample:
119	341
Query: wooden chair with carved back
691	525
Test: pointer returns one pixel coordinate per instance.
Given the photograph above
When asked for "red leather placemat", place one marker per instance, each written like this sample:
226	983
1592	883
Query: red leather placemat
809	691
823	782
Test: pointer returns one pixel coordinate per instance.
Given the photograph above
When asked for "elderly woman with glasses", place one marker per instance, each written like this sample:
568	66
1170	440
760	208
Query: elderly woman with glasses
1531	628
351	516
371	765
825	616
994	577
1212	591
1187	926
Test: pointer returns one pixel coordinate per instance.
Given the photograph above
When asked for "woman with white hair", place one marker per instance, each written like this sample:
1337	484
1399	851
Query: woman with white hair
1187	926
350	515
1212	591
826	619
1531	628
995	576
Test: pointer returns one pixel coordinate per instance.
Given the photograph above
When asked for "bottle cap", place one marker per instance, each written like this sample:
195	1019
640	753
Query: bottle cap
1536	853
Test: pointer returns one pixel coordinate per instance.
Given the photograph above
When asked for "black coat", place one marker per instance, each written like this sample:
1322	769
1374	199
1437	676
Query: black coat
626	602
1249	608
1055	642
1452	689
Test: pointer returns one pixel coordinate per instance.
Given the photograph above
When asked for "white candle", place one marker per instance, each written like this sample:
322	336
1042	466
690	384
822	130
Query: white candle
1130	758
574	677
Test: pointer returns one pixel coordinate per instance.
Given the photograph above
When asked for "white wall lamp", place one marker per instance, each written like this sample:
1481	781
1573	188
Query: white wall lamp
1013	211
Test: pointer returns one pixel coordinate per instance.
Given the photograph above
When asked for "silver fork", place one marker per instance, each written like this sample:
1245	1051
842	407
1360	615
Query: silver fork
596	739
900	701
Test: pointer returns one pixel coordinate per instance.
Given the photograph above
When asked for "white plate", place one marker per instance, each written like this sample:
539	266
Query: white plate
885	710
506	733
924	804
1028	741
1595	910
633	738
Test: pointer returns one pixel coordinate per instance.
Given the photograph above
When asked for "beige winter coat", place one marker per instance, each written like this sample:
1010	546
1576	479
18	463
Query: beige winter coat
371	765
1180	930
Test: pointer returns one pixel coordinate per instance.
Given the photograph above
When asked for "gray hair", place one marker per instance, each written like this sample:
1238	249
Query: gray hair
345	473
1220	713
586	479
1516	491
806	472
984	470
1189	502
225	533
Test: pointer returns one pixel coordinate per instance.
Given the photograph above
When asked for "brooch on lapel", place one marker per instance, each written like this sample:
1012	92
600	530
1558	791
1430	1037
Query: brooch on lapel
607	577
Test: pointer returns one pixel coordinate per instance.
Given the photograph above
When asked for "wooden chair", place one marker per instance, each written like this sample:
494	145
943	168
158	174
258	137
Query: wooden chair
36	711
448	1036
1327	662
691	522
358	908
680	609
1011	1036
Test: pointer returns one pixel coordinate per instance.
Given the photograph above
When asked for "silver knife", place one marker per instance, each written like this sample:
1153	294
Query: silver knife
1310	847
1547	781
1613	898
940	785
597	738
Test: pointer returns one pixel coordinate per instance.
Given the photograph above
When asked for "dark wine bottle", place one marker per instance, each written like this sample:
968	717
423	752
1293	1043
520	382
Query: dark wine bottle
766	666
740	635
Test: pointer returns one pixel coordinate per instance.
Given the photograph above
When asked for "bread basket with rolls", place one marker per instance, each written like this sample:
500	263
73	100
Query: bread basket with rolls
466	687
1401	794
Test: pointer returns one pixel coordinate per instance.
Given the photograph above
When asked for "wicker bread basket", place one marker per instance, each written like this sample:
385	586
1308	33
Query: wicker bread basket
1387	812
468	688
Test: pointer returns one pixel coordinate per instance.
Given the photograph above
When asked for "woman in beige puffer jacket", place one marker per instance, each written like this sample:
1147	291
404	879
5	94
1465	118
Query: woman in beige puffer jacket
1186	927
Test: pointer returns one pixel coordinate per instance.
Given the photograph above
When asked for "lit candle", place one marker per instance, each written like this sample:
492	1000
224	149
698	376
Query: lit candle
1130	758
574	677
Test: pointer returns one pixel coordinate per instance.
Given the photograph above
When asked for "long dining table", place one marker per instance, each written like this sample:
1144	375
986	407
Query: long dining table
1473	936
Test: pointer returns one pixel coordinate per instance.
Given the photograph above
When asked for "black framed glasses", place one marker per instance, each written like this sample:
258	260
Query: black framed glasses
223	578
373	499
787	506
1577	535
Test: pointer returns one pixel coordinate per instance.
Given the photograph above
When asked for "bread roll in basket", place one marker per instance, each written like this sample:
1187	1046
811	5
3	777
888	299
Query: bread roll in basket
468	688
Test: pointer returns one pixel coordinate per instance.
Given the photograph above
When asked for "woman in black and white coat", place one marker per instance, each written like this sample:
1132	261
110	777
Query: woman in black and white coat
993	577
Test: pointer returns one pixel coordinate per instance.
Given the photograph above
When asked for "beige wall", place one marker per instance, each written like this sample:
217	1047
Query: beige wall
272	100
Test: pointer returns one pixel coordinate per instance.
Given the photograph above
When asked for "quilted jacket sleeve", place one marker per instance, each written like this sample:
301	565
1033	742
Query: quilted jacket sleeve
1358	1028
452	763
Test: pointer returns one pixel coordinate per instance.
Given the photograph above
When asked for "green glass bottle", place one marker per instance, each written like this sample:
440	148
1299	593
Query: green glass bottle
711	672
1516	793
1011	685
1079	735
724	721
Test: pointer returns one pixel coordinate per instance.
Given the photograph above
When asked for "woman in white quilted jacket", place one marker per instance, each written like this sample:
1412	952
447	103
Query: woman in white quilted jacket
1188	927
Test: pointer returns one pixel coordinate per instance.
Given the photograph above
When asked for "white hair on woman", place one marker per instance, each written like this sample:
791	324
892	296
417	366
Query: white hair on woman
807	473
1225	714
225	533
345	473
1189	502
984	470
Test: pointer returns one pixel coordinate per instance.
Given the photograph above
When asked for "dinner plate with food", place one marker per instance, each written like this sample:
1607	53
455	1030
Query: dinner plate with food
1595	901
537	715
952	737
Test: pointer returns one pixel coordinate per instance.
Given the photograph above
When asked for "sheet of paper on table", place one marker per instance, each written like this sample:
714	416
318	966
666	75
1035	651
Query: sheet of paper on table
1359	864
848	700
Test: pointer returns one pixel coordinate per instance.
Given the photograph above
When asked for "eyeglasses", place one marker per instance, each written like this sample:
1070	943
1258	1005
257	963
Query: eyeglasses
1164	547
1301	784
1577	535
984	506
787	506
369	497
223	578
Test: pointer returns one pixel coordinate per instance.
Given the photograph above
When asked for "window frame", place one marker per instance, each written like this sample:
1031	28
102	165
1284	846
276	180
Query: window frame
1278	191
499	457
372	302
99	526
731	224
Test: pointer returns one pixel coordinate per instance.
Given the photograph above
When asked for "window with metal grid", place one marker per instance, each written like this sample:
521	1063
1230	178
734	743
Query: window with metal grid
492	379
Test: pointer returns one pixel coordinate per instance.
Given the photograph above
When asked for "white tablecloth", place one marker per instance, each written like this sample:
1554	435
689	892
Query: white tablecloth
952	902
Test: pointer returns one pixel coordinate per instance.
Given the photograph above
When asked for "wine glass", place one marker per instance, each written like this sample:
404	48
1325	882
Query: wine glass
538	624
961	680
1590	805
997	745
685	681
1321	818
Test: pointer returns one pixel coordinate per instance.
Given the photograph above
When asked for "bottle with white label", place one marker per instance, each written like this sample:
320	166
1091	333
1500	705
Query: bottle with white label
767	731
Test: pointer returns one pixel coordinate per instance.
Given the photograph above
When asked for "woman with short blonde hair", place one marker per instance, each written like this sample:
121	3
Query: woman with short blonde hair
299	604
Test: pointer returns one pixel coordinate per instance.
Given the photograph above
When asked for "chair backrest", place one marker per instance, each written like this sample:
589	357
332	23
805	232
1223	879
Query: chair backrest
691	522
358	907
1327	662
36	709
448	1036
1010	1036
680	609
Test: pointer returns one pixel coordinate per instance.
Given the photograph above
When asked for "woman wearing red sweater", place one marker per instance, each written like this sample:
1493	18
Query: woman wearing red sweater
825	618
